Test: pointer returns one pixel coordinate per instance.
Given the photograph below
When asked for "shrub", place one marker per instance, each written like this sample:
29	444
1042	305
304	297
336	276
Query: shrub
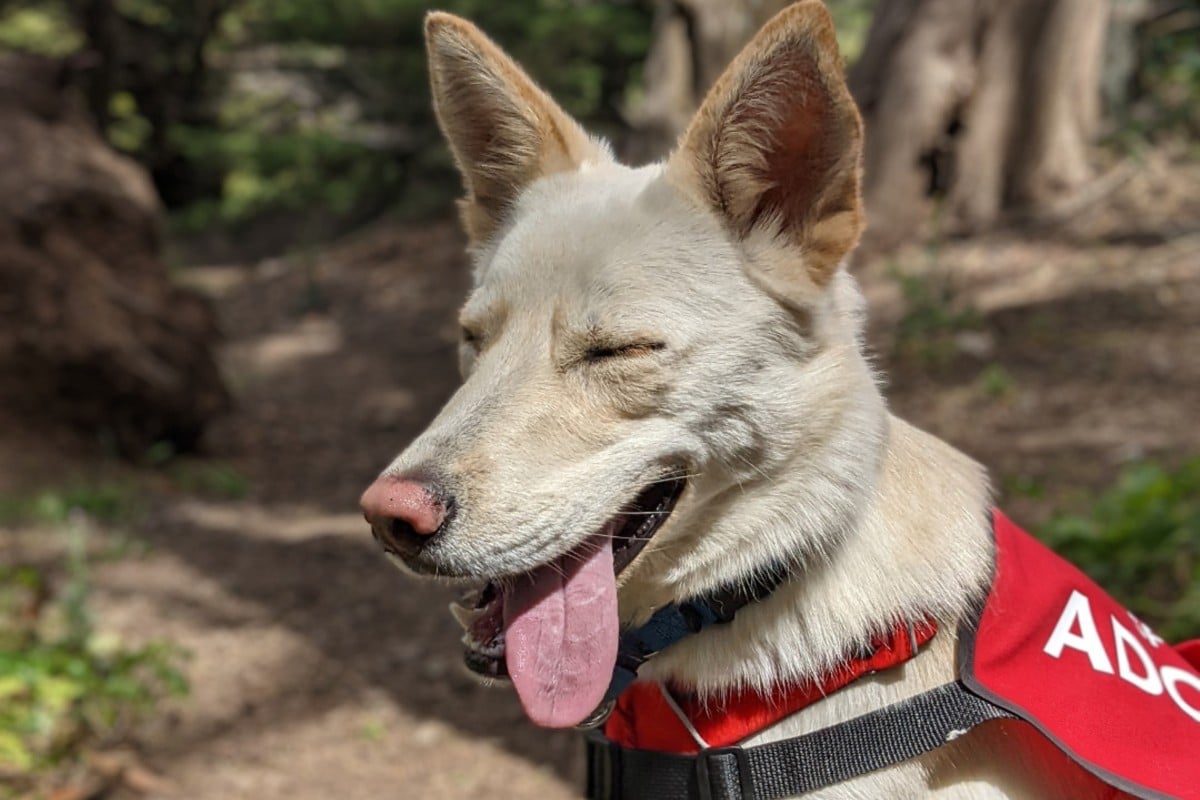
64	686
1141	541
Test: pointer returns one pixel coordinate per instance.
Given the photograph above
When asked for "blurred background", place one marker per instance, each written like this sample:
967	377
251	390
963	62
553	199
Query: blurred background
229	269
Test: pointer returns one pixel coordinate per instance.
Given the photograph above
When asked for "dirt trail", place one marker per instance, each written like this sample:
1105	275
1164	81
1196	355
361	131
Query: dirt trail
317	671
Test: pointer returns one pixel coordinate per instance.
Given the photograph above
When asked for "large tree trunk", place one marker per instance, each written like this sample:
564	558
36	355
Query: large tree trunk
987	105
694	40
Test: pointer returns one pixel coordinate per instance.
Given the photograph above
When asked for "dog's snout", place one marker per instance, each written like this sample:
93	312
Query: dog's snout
403	513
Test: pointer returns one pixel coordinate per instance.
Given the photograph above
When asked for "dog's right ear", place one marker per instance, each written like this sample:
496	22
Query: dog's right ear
503	130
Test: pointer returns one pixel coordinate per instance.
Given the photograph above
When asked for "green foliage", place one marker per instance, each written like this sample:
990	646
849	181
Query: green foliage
932	317
63	685
1024	486
288	171
373	730
345	125
128	130
569	45
44	28
333	117
1166	86
1141	541
996	382
108	501
209	478
852	19
1171	69
198	476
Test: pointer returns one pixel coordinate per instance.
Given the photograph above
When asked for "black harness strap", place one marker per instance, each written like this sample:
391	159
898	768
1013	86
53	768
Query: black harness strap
879	739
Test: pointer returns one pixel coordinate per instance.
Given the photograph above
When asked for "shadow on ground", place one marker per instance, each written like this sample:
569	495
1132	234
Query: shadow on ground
326	398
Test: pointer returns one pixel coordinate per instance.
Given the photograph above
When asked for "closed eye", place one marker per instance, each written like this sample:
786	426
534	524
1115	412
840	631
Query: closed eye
630	350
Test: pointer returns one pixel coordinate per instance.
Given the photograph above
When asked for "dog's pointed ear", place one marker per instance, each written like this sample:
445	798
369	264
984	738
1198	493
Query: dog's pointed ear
775	151
503	130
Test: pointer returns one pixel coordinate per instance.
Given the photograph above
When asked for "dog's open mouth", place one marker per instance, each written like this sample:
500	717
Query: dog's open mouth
554	630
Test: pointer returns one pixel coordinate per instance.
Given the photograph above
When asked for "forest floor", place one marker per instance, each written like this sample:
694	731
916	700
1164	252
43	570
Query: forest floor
317	671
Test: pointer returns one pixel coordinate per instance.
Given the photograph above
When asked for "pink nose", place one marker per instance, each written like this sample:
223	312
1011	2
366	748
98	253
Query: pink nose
400	505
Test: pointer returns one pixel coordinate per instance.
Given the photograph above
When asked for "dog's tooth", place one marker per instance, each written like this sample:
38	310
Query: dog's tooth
465	616
492	649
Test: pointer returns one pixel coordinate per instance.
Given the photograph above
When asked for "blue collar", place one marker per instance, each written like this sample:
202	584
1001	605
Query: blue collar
677	621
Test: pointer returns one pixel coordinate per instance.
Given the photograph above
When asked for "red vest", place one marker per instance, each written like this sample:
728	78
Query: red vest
1053	648
1050	646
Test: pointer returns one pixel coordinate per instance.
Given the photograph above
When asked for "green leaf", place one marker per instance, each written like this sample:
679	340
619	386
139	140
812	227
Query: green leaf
13	752
57	693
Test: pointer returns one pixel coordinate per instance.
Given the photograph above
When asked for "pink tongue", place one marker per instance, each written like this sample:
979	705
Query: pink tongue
560	636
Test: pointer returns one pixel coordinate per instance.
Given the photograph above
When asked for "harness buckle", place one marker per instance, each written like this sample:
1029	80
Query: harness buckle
598	717
723	773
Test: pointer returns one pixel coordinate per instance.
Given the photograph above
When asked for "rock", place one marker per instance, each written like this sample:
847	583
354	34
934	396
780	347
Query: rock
93	335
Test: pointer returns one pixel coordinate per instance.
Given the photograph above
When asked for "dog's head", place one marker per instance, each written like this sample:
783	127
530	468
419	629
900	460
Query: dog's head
648	355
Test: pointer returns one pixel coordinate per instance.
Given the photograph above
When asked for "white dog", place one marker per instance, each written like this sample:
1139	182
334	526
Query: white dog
665	394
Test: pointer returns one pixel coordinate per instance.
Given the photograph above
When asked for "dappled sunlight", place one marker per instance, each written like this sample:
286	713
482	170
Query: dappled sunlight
282	523
267	355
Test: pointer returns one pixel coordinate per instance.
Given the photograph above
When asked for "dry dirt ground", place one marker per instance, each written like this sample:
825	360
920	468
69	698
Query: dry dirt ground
317	671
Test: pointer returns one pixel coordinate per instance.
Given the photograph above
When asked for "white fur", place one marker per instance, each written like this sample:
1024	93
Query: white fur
766	397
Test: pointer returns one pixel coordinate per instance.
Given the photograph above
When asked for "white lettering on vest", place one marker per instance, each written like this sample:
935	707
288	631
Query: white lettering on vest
1078	611
1149	681
1171	678
1152	638
1077	614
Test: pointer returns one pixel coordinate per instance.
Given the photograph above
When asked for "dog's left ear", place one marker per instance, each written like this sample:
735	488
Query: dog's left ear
775	151
504	131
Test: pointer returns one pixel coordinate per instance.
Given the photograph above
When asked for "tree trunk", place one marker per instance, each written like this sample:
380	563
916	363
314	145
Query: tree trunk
986	105
163	67
694	40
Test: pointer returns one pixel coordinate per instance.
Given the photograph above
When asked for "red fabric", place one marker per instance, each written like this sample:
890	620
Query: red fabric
1052	647
642	718
1190	652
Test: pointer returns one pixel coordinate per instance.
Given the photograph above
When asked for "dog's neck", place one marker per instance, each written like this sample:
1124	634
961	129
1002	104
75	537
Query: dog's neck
917	546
